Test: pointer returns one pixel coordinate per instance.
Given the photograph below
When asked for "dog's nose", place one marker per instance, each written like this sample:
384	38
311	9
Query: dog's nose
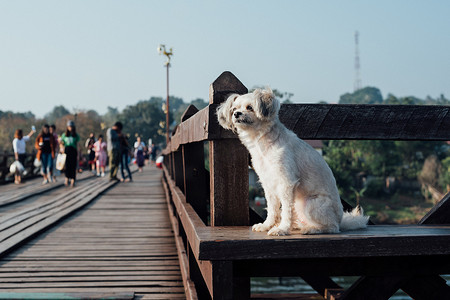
237	114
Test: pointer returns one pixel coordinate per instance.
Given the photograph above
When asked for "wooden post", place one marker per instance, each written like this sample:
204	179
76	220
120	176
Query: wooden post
228	165
195	178
178	169
195	175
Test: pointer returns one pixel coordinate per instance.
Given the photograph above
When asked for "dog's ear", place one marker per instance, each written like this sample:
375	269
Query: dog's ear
267	106
225	113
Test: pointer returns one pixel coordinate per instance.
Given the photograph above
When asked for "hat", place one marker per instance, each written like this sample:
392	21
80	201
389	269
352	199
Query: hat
70	123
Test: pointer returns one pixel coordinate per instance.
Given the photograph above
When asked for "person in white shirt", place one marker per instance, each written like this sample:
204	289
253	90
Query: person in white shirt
19	145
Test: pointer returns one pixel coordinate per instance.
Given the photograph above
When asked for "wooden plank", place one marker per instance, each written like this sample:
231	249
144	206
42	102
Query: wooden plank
49	220
189	287
100	289
104	278
367	122
56	264
377	240
189	218
353	266
72	296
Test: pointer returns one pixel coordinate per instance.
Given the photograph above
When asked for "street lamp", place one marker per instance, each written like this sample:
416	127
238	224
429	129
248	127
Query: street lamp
162	50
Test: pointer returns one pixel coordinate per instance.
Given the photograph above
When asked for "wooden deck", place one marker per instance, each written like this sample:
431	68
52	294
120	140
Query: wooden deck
120	245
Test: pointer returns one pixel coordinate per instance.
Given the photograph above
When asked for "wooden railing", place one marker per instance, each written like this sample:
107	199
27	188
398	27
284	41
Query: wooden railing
211	216
5	161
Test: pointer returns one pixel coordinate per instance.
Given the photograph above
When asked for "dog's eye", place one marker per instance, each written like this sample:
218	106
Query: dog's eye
249	107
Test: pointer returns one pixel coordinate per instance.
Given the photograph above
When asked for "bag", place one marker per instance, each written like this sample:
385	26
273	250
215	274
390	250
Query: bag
16	168
37	163
61	161
159	162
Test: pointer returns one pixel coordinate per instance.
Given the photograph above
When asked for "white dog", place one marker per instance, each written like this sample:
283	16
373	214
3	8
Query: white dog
295	177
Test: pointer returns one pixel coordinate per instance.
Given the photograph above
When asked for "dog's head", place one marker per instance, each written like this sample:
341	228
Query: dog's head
248	111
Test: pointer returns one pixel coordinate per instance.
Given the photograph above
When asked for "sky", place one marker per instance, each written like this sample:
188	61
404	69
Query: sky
91	54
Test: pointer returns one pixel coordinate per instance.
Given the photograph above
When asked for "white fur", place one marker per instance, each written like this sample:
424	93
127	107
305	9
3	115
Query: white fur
299	186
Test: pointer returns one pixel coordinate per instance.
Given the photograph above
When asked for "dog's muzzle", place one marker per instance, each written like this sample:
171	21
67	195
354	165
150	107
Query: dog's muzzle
241	118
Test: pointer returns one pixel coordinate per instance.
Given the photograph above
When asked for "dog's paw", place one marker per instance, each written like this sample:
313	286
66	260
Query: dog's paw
260	227
277	231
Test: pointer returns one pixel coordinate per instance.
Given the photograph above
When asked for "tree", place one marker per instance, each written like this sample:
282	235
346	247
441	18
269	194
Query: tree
146	119
367	95
57	113
110	117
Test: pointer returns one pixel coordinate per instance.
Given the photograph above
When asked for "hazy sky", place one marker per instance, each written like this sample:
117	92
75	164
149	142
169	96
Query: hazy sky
93	54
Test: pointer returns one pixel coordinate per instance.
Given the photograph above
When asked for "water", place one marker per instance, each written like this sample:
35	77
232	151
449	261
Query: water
286	285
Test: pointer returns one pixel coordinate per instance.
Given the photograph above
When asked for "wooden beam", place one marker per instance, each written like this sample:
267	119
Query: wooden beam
427	287
189	287
439	214
189	218
367	122
382	287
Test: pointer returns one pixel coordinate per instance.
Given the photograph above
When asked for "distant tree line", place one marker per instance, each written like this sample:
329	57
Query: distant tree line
146	118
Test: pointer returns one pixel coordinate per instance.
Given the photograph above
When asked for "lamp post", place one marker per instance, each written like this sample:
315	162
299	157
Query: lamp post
162	50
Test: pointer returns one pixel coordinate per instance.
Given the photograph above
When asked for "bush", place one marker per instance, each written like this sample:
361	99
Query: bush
375	188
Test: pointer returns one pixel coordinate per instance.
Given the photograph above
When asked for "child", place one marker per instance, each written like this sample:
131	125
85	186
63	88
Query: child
100	155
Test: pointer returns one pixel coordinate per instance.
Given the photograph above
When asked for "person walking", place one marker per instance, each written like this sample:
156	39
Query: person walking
89	145
100	155
139	153
153	152
45	146
69	141
125	150
19	146
52	130
113	142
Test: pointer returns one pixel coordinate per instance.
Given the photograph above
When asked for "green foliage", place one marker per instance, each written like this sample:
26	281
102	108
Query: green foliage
367	95
57	113
143	119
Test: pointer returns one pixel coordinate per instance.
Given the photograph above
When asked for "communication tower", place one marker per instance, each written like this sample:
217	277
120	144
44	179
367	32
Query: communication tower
357	84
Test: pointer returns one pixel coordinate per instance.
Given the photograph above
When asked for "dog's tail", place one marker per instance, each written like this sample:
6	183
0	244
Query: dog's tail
354	220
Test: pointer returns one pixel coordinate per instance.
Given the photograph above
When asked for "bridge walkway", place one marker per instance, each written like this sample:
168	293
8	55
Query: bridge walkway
120	245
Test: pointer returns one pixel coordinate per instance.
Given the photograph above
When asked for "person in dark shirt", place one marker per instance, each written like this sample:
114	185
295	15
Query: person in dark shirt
45	144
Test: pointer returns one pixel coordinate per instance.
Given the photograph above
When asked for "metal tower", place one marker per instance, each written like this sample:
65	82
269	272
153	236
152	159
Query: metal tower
357	84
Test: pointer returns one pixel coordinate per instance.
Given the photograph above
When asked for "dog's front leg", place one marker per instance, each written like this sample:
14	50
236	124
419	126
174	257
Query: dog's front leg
273	213
287	202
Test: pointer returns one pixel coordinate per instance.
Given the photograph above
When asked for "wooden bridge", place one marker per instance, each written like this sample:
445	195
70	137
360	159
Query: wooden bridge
184	232
99	240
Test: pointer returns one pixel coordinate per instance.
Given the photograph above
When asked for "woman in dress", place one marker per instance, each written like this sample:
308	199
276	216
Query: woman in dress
69	141
100	155
139	153
20	151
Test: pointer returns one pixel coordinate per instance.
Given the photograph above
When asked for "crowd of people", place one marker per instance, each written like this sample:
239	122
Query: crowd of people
65	152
